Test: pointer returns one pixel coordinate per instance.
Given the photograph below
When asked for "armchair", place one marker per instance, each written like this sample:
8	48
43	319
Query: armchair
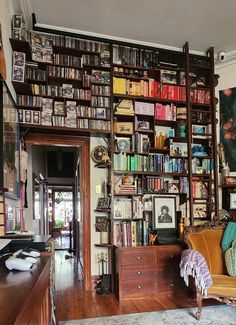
207	241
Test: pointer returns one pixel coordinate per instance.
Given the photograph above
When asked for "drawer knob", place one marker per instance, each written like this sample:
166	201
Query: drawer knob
172	285
138	258
139	287
171	256
139	272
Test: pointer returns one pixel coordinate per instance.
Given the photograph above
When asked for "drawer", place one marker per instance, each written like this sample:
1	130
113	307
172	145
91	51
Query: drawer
168	259
138	258
138	273
169	281
135	288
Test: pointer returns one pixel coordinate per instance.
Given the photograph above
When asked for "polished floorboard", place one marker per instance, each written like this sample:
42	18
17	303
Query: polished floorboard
72	302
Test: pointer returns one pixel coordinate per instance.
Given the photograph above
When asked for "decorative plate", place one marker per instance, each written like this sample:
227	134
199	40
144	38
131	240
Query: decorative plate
98	153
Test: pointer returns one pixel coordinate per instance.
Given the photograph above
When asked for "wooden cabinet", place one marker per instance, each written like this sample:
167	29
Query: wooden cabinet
147	271
25	296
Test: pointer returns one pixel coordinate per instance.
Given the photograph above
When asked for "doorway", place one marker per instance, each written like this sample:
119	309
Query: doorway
61	215
81	221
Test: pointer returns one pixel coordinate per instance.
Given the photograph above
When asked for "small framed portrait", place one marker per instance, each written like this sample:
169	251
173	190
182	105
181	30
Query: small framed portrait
232	201
100	112
164	213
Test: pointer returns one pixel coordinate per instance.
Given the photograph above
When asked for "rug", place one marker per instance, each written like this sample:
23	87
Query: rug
216	315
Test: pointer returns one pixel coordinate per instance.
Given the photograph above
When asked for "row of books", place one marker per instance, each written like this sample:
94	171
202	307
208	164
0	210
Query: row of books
200	189
149	88
165	112
165	164
64	72
26	100
48	119
131	233
100	101
96	112
154	163
77	62
67	60
35	74
66	91
135	57
200	96
101	90
127	208
94	124
84	45
158	184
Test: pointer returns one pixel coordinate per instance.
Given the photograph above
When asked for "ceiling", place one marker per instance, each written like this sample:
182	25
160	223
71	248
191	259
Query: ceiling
163	22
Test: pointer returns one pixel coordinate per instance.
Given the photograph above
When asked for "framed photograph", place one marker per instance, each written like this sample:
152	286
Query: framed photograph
232	201
9	144
164	213
17	21
59	108
100	112
103	203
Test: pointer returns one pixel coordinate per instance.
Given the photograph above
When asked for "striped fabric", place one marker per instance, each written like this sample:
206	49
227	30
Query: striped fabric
230	259
194	264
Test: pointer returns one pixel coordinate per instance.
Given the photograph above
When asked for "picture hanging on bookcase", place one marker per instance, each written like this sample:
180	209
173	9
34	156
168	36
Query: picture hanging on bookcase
164	212
103	203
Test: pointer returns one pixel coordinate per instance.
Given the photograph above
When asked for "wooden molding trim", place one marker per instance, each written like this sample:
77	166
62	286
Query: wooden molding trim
84	144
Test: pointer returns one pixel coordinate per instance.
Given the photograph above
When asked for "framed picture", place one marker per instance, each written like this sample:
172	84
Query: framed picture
9	143
103	203
100	112
232	201
164	213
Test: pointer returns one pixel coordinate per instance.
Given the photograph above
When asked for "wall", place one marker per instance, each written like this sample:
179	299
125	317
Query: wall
7	9
97	176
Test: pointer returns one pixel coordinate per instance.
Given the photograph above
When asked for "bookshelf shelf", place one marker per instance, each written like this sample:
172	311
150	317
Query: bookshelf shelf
149	99
66	129
21	46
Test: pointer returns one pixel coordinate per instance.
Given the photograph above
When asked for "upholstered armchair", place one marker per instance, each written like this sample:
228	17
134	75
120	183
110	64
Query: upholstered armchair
206	240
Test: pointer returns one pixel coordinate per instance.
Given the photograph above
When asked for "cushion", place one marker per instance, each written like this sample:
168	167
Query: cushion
230	259
228	236
223	285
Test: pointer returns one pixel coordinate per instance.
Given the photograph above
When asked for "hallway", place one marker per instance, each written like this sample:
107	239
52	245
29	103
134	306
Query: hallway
73	303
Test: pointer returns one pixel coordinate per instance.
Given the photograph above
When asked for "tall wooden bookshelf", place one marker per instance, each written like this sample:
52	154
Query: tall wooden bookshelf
157	109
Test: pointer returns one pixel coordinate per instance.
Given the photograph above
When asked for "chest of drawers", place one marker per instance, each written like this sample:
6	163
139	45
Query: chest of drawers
147	271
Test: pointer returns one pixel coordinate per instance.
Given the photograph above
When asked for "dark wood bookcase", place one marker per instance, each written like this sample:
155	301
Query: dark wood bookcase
157	109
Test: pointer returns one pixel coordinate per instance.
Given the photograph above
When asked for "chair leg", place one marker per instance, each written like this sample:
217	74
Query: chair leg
199	304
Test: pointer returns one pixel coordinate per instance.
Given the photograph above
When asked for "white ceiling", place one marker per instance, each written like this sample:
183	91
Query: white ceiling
165	22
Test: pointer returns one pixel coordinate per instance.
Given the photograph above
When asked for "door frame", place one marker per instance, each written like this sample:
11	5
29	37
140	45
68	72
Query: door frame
84	144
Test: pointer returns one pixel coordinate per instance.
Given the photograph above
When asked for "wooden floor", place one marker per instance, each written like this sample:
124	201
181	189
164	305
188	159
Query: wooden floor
73	303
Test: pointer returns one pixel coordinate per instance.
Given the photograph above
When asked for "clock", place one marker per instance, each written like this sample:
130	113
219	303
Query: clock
123	144
98	153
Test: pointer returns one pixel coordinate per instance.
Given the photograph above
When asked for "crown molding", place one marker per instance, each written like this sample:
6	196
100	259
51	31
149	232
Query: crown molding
114	38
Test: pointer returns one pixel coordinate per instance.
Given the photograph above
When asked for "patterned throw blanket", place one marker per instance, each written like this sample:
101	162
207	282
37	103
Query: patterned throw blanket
194	264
